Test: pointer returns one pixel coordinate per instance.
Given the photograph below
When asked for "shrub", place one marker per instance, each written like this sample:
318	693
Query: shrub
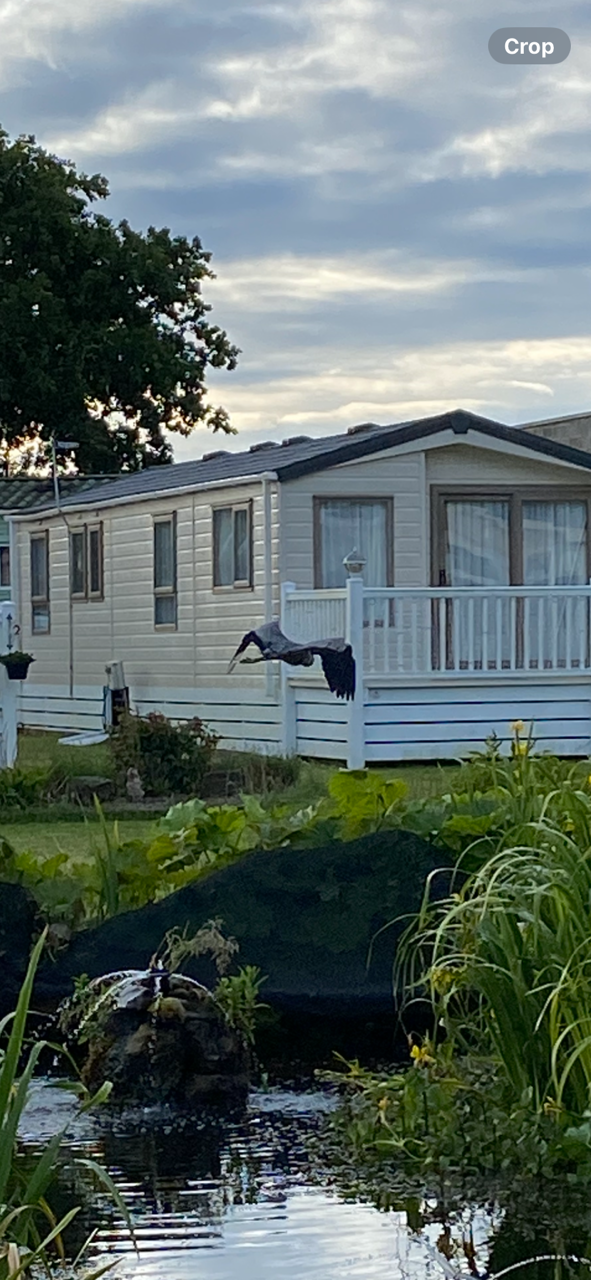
171	759
23	788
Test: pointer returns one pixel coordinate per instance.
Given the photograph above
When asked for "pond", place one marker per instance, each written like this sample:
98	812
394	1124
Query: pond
235	1198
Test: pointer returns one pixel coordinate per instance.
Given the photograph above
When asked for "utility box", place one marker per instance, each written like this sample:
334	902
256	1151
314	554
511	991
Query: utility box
116	694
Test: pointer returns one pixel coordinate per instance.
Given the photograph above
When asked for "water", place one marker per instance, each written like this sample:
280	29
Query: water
234	1199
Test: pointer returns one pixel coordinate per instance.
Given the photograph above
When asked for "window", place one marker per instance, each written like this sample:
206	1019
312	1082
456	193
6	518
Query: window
86	562
530	537
342	525
165	588
40	583
232	556
509	538
95	561
4	566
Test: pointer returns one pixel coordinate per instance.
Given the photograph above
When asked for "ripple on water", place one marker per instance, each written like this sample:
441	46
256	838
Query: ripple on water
228	1199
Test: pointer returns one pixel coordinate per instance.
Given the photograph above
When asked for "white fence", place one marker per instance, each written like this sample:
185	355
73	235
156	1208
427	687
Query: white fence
514	644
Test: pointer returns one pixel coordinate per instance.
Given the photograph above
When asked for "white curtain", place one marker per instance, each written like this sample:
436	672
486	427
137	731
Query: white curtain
555	555
346	525
477	555
554	544
477	550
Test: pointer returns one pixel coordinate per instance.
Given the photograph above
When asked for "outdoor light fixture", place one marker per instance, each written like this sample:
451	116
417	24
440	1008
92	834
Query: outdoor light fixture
355	562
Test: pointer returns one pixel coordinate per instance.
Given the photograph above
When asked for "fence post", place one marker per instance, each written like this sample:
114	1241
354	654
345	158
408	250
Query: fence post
289	739
354	637
9	745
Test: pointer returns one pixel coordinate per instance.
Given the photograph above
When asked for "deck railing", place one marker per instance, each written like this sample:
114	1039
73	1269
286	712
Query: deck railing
444	631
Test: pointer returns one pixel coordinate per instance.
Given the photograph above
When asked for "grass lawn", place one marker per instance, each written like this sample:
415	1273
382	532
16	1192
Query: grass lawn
40	750
70	832
73	838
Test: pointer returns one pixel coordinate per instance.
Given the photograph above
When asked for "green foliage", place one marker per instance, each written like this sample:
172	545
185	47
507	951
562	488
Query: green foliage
506	963
104	333
23	788
29	1232
238	996
170	758
364	801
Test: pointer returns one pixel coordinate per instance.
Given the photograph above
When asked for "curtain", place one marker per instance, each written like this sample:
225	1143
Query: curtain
555	555
477	544
476	555
346	525
554	544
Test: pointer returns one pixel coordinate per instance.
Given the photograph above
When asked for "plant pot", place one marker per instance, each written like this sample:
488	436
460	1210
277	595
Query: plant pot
17	670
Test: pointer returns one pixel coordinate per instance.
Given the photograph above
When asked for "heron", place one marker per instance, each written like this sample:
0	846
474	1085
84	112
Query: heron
336	656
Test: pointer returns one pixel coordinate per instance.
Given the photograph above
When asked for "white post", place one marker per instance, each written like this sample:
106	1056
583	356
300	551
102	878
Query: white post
8	688
289	739
354	637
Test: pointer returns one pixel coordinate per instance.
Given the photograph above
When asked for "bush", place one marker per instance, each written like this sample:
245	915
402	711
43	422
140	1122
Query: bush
24	788
171	759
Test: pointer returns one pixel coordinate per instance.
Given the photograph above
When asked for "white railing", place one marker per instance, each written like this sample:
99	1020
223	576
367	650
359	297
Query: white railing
446	631
314	615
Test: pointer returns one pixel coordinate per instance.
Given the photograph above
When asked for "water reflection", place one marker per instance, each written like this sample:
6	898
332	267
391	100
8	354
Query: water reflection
233	1198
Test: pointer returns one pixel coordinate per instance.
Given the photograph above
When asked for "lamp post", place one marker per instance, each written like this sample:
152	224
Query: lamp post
65	446
354	563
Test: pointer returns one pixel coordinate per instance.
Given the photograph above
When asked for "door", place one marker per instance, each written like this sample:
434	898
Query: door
476	553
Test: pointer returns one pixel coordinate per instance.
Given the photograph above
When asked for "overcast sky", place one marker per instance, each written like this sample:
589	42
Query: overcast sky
399	224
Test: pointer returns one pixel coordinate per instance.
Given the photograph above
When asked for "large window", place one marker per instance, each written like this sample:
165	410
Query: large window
165	576
86	562
511	538
232	556
342	525
40	583
528	538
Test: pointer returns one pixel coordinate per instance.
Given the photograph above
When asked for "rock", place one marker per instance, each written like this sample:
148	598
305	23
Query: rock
174	1047
313	920
17	926
85	789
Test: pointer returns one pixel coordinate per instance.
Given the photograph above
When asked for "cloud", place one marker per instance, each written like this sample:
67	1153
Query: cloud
335	388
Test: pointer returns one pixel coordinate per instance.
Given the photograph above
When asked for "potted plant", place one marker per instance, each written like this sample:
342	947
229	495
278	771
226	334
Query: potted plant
17	664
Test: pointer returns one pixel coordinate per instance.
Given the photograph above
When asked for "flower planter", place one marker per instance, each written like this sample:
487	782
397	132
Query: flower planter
16	668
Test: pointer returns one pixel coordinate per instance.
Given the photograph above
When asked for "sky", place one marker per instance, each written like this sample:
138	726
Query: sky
399	224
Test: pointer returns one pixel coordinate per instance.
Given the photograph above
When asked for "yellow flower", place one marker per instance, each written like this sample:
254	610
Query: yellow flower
569	825
589	779
521	748
421	1056
517	727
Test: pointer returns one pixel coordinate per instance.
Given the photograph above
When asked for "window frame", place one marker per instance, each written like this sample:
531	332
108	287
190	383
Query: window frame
166	592
79	532
515	496
97	528
38	601
85	531
320	500
4	548
239	584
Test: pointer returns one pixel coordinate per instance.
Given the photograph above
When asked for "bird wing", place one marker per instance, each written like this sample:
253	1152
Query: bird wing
338	666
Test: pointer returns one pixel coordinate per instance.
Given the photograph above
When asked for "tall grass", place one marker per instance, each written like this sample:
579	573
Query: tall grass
507	957
29	1230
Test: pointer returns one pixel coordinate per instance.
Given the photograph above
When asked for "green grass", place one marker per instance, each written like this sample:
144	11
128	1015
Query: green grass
422	780
41	750
73	838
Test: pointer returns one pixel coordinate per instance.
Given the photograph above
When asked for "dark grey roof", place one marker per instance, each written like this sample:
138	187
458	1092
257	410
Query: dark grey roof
299	456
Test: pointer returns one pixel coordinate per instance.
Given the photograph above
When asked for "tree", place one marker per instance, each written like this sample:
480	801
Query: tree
104	334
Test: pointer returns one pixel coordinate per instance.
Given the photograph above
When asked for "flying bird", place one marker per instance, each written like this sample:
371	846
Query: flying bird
336	656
